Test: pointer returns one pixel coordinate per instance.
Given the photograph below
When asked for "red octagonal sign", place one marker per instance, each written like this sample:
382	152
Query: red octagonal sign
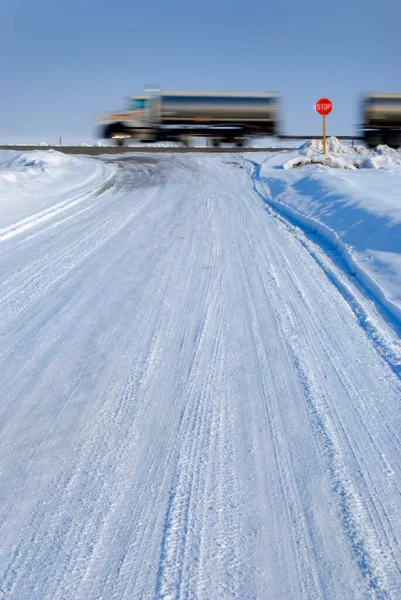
324	106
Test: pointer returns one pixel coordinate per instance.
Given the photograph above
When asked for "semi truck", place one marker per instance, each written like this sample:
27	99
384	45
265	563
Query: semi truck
381	119
177	116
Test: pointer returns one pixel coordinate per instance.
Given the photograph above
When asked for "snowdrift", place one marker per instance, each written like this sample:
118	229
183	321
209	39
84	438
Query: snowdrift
357	209
343	157
32	183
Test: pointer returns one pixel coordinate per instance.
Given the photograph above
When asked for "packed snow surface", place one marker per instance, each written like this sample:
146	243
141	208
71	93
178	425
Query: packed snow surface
198	399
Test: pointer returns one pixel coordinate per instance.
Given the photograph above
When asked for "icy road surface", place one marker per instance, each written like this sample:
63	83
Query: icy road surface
196	401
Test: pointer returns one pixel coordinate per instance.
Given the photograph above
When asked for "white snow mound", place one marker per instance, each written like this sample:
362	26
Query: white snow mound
343	157
40	160
357	209
35	181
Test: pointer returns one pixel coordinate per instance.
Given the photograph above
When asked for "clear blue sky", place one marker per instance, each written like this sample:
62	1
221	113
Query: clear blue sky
63	62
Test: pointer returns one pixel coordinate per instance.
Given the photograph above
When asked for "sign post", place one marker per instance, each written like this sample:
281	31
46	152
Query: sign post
324	106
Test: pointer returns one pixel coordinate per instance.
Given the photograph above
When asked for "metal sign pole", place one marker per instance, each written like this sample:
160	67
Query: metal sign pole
324	134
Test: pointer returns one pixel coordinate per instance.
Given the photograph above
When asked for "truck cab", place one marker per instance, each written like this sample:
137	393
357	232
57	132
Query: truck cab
128	123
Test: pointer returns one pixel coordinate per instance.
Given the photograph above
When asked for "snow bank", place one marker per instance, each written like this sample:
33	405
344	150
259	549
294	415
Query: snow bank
339	156
31	162
357	209
34	182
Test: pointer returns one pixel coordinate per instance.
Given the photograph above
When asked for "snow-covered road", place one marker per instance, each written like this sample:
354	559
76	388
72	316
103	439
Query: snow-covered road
196	401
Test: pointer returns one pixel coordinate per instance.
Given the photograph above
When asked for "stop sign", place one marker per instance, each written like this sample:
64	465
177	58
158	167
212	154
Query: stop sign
324	106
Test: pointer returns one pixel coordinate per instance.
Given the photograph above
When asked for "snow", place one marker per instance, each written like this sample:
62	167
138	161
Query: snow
358	209
52	140
79	140
42	181
198	399
339	156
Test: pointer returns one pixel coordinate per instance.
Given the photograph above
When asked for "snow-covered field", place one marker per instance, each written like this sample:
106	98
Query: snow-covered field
199	397
264	142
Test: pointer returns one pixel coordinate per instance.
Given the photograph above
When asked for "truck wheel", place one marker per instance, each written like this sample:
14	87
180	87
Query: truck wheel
393	139
374	138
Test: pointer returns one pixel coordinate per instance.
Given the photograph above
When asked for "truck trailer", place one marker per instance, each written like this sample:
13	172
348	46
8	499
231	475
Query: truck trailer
381	119
176	116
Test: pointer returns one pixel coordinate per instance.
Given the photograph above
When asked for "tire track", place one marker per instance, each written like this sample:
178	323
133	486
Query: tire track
193	409
363	537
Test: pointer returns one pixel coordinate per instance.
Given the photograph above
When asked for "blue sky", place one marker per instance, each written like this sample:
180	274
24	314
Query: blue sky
64	62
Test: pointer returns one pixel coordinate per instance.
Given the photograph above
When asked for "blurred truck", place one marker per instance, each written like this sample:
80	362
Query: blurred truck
381	119
177	116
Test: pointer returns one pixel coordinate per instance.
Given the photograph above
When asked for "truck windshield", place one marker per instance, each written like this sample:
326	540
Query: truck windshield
136	104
